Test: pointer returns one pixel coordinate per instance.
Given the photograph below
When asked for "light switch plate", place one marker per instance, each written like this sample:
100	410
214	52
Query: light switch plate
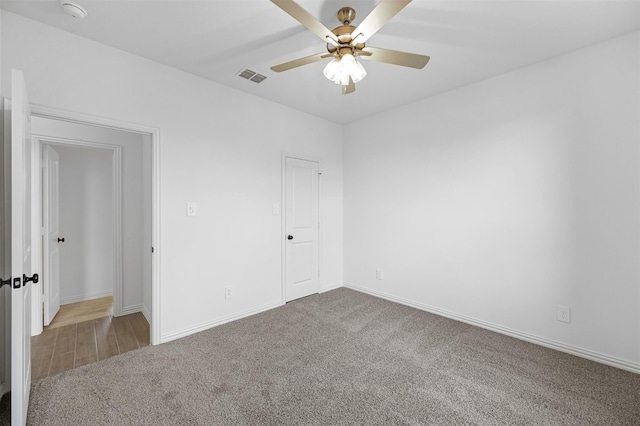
192	209
276	209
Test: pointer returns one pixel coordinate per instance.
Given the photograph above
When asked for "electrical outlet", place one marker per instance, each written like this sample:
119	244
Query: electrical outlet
228	293
379	274
192	209
563	313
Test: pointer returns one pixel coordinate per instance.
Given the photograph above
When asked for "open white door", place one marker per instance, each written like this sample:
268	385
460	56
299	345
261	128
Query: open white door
301	225
52	240
21	262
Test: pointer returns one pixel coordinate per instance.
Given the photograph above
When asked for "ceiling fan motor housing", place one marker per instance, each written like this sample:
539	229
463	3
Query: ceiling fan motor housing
346	15
344	34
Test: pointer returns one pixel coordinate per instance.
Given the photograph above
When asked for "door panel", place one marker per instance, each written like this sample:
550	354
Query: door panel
303	205
21	262
301	223
302	263
50	203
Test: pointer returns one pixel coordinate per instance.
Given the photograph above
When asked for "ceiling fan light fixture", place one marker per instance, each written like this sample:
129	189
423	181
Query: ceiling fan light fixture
336	71
339	70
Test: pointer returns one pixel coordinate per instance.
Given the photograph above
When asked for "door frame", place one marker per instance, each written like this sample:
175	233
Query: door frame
41	228
283	229
5	356
154	134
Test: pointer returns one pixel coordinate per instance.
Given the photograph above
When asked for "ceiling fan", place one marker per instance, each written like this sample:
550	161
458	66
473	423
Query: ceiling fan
347	42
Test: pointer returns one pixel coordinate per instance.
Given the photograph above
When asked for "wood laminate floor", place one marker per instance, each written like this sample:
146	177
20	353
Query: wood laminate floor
69	346
74	313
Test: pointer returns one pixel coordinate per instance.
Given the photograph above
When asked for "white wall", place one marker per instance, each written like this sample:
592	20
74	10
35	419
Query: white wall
86	223
498	201
97	256
218	147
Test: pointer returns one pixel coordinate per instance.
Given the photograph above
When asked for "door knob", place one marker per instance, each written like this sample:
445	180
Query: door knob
5	282
290	237
26	279
61	240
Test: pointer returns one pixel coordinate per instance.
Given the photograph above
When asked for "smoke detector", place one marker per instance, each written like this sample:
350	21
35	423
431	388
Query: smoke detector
73	9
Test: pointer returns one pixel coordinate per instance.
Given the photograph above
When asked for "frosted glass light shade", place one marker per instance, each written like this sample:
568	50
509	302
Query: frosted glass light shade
357	72
343	77
348	61
332	69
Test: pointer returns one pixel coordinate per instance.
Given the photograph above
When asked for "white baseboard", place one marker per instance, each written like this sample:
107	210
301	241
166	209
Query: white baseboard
146	312
85	297
542	341
126	310
4	389
331	287
219	321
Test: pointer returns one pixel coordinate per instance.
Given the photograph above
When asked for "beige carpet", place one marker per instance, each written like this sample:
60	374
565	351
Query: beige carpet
341	357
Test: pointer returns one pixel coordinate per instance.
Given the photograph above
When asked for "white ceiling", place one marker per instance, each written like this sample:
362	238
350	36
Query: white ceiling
468	41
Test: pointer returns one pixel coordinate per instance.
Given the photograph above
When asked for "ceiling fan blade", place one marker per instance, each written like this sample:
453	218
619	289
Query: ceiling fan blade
305	18
300	62
394	57
350	88
380	15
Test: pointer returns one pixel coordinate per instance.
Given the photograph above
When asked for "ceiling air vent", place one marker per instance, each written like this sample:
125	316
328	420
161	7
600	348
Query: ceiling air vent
251	75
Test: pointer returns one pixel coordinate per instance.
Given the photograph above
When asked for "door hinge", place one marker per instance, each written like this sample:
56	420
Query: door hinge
152	249
5	282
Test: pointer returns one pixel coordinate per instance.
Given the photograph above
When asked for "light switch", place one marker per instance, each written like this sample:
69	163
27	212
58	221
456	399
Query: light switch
276	209
192	209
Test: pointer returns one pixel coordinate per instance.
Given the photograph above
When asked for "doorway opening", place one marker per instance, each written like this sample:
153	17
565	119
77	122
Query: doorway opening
152	163
84	216
95	216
